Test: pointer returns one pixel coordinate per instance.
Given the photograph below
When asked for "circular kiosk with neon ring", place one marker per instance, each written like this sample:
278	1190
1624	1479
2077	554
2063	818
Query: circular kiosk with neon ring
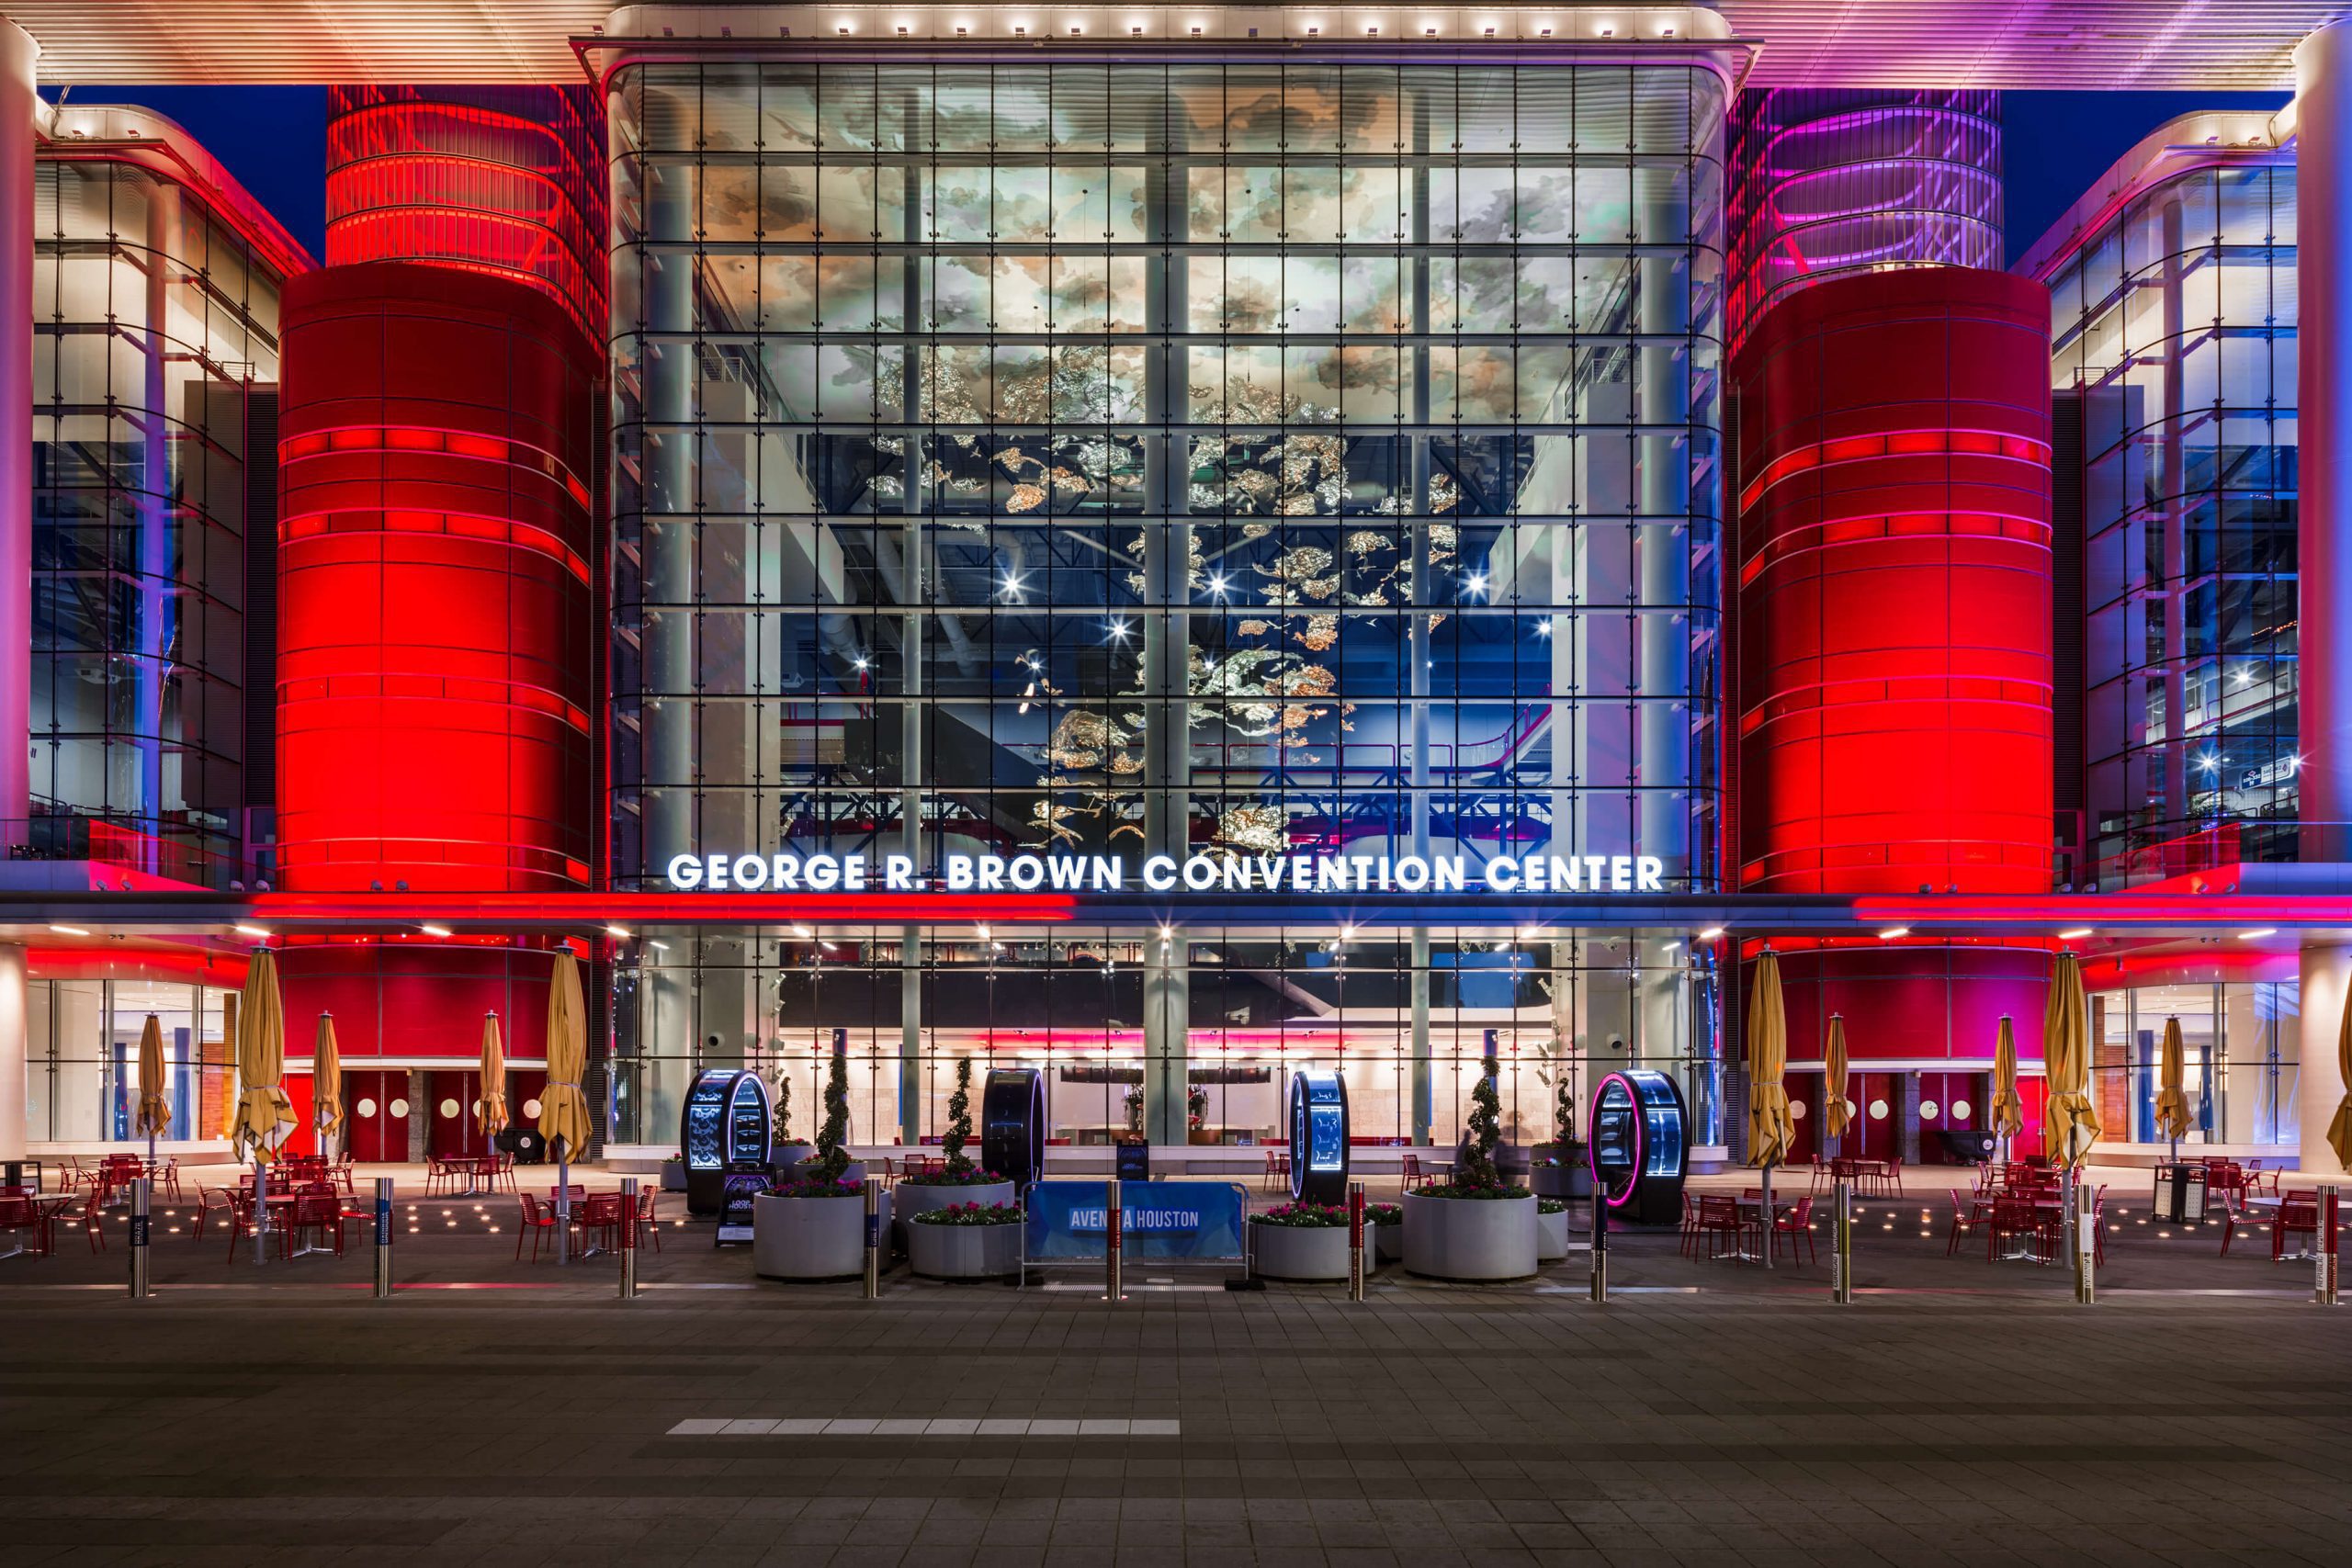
1641	1147
1012	1126
1319	1137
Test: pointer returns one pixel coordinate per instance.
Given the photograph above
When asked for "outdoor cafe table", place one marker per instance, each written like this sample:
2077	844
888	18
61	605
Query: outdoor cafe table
475	1166
1752	1213
37	1214
2270	1206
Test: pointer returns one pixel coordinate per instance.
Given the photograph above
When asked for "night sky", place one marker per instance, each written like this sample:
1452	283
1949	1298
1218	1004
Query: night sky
272	138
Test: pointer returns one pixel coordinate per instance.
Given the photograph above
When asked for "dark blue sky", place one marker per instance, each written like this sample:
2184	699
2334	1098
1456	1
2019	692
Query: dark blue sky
2055	143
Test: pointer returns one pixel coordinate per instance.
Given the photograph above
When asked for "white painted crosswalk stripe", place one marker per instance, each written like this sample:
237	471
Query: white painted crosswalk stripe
924	1426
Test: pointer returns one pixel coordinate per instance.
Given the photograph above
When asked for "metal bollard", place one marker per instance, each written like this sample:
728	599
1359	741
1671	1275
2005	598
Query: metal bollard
140	1228
1114	1241
260	1213
2324	1291
873	1239
1355	1241
1841	1253
629	1238
2086	1243
383	1238
1599	1244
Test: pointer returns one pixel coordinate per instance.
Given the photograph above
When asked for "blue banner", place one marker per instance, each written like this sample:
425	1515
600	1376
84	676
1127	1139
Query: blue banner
1159	1220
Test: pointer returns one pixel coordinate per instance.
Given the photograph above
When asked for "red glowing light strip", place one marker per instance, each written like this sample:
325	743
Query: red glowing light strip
404	520
428	438
662	909
1973	524
1895	443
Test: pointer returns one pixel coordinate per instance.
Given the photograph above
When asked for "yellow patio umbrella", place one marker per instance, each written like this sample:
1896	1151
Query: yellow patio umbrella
2339	1132
1836	1110
2172	1102
493	1078
326	1082
2008	1107
564	1109
262	1105
1770	1128
2069	1122
154	1112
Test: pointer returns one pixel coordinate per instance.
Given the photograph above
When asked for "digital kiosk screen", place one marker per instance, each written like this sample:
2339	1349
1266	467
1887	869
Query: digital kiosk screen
705	1135
1319	1137
1640	1146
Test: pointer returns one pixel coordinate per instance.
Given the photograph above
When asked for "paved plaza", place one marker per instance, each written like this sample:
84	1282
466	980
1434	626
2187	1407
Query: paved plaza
1960	1412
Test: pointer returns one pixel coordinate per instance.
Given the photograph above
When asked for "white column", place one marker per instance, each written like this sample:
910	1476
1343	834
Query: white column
17	102
2323	433
14	1009
2319	1085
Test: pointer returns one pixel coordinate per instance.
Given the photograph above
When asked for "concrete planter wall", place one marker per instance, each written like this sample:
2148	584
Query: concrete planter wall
1300	1252
1470	1239
1387	1242
964	1252
909	1199
1573	1180
1551	1237
809	1239
674	1176
785	1156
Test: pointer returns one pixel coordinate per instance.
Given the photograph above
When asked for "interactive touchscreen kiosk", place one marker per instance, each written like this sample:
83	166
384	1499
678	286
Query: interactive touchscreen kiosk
725	1123
1640	1150
1319	1137
1012	1125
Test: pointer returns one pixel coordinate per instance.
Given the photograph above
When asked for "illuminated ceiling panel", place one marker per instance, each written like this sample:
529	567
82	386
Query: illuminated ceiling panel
2179	44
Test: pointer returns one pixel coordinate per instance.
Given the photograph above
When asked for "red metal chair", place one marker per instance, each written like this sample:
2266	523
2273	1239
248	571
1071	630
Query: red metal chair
1797	1222
94	1219
2296	1216
649	1223
2020	1217
1967	1213
2233	1219
1277	1164
1717	1220
316	1213
537	1223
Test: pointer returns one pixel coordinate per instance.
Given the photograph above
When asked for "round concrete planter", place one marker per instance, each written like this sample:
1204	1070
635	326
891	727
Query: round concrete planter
1299	1252
786	1157
1572	1179
806	1171
909	1199
1551	1237
674	1176
964	1252
808	1238
1387	1242
1470	1239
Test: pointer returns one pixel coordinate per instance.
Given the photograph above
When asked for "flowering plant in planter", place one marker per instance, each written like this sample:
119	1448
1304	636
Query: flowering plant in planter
1551	1205
1384	1214
817	1186
970	1214
1302	1216
1470	1187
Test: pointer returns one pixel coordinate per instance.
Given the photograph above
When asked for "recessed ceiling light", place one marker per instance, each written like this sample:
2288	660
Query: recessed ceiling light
434	930
1893	931
252	930
2259	930
2078	932
69	931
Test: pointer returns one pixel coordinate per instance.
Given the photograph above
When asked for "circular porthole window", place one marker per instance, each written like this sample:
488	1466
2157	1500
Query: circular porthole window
1927	1111
1960	1110
477	1107
1797	1110
366	1107
448	1110
1877	1110
531	1109
399	1107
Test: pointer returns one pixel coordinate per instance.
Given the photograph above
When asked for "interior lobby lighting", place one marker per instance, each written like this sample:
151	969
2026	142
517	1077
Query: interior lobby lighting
2242	936
2074	935
434	930
69	931
250	930
1893	931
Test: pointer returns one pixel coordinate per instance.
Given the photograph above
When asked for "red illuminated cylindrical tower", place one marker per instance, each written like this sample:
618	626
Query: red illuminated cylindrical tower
435	632
1893	596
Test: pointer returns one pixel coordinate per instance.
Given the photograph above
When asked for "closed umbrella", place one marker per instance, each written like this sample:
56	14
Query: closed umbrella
2339	1132
326	1082
2070	1124
2172	1101
154	1113
494	1079
1770	1128
2008	1108
1836	1110
262	1105
564	1109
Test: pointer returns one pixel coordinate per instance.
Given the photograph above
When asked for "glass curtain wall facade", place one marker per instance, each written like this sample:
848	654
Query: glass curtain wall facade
2239	1060
1125	459
82	1054
2177	322
154	322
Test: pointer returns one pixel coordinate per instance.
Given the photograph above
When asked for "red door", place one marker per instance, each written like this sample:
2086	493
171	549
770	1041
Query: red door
1879	1106
453	1127
375	1110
